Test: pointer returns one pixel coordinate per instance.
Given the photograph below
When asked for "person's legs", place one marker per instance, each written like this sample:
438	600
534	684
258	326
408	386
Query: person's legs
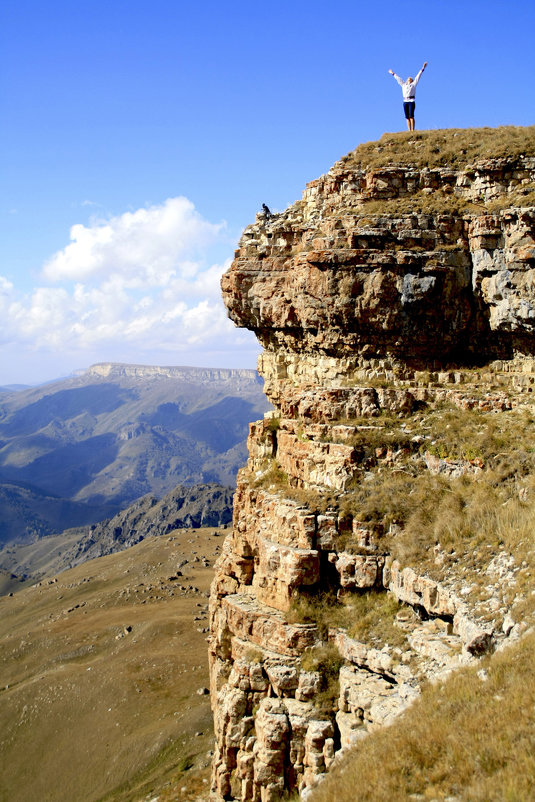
408	108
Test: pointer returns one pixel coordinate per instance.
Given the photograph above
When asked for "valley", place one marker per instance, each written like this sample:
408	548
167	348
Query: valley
79	450
103	677
184	507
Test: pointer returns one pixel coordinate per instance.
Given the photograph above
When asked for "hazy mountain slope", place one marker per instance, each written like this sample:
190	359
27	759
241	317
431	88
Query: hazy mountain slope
23	564
27	512
9	582
118	432
11	388
184	507
99	677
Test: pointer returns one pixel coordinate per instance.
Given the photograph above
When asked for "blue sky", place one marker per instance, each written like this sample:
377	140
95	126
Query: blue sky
139	138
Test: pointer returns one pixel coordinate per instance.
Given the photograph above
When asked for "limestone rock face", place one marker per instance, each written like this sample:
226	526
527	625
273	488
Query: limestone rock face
364	316
327	277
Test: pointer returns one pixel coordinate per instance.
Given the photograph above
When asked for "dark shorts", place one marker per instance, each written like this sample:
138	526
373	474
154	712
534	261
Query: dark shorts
409	109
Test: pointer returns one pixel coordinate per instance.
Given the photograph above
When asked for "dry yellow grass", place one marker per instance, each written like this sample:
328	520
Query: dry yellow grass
91	711
449	147
458	149
469	739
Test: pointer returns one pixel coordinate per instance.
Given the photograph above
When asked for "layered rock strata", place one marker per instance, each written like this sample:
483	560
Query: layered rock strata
362	316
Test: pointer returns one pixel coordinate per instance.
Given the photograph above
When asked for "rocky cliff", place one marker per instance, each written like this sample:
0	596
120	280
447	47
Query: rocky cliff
397	294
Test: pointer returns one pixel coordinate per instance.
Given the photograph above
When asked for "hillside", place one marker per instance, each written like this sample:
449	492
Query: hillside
184	507
469	739
103	674
372	612
81	449
28	513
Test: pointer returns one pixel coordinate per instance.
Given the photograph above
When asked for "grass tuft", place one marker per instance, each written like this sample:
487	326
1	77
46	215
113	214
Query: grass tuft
373	619
327	661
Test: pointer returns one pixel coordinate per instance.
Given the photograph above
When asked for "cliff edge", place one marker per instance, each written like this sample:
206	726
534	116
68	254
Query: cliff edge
396	306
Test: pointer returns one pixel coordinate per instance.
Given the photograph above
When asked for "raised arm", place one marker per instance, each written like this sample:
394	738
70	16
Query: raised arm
398	79
420	73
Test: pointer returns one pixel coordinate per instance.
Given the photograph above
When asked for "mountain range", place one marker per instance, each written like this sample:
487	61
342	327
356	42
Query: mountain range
184	507
81	449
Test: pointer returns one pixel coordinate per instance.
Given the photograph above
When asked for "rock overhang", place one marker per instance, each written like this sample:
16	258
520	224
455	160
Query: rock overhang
451	281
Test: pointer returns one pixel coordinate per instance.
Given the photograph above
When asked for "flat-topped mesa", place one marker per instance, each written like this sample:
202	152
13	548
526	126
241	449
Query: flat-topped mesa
372	296
411	264
185	373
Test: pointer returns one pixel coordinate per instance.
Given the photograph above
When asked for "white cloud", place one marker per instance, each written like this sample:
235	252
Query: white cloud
146	247
132	288
6	287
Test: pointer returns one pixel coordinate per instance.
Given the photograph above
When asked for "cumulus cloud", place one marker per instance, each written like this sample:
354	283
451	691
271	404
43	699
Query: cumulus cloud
147	246
129	288
6	287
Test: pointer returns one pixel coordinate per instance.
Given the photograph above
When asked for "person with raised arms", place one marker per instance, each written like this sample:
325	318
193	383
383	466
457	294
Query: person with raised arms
409	94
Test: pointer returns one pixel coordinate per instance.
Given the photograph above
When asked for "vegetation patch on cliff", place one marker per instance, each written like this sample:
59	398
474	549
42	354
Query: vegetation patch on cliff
326	661
368	617
450	147
443	746
443	203
373	618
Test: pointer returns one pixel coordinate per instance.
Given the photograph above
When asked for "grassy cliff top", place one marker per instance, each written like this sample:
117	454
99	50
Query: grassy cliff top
450	147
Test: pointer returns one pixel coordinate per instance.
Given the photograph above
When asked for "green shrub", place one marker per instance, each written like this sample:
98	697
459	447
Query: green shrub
254	655
185	764
373	616
320	608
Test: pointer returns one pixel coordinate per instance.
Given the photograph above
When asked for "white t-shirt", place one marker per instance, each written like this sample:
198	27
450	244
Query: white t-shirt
409	89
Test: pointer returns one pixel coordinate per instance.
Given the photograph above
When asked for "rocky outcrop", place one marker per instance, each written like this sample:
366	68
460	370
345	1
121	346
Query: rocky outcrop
364	316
